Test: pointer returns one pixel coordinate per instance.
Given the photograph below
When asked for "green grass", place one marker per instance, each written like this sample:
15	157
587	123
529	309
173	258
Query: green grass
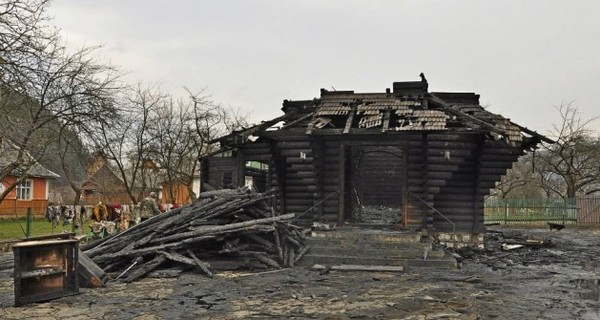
10	229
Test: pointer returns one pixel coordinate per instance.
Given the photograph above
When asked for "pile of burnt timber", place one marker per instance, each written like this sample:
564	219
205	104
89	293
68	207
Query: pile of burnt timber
222	230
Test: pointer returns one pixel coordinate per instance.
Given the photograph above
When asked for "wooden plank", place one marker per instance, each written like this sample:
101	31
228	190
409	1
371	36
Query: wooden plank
353	267
90	274
146	268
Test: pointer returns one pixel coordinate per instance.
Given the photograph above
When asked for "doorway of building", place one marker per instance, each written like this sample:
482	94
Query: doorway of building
376	181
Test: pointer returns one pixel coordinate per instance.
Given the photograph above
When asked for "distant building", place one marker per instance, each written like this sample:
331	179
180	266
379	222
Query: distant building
176	192
31	191
105	185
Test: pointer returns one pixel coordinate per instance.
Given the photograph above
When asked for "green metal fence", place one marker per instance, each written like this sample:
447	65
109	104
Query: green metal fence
531	211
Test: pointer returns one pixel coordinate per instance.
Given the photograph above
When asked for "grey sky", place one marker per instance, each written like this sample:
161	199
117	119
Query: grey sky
523	57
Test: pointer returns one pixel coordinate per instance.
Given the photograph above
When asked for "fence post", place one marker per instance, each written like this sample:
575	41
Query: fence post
564	212
505	213
28	223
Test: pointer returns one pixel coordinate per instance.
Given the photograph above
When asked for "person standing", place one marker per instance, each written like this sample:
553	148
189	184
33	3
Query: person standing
149	207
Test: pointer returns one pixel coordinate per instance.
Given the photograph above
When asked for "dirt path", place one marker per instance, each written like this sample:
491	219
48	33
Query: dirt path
559	282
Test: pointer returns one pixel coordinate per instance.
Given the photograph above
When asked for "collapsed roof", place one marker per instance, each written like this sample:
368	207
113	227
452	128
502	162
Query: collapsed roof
409	107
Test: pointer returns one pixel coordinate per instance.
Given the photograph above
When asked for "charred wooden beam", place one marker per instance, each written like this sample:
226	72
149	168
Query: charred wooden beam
233	224
145	268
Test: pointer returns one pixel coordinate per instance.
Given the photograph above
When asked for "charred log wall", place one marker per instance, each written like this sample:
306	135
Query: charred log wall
449	172
461	171
297	174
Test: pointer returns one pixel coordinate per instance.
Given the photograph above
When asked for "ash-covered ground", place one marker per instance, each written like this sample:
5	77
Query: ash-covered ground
556	280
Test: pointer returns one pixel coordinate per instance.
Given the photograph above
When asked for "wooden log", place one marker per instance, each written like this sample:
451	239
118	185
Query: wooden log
291	256
224	223
301	253
351	267
260	240
136	237
145	268
121	240
204	230
278	245
173	256
286	251
149	250
90	274
205	267
220	193
262	257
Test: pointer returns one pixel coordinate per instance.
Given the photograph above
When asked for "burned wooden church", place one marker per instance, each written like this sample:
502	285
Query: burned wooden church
406	156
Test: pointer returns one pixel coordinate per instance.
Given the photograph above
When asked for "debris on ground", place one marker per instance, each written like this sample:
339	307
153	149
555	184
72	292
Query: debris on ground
223	230
505	249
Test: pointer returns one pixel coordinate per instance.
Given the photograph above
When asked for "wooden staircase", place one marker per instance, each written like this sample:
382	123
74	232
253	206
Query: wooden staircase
373	247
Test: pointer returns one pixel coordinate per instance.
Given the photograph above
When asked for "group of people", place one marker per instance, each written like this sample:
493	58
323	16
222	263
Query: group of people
113	215
114	212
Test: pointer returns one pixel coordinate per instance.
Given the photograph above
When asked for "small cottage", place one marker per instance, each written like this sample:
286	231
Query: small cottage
30	183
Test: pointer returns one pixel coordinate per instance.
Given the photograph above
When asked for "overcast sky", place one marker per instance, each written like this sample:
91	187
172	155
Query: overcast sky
522	57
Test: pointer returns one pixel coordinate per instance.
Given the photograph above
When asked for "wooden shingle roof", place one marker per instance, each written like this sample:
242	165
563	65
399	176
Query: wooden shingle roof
409	107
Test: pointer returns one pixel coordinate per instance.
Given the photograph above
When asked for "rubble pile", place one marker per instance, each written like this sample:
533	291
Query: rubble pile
222	230
504	249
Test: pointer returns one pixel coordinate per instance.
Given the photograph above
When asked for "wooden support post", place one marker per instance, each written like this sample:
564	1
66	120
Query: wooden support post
405	212
429	219
319	154
279	166
477	203
241	168
342	184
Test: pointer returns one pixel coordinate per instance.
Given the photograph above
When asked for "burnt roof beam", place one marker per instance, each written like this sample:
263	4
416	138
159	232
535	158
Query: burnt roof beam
350	118
438	102
244	134
291	123
534	134
386	120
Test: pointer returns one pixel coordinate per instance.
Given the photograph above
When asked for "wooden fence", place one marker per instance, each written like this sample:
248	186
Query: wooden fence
589	210
569	211
11	209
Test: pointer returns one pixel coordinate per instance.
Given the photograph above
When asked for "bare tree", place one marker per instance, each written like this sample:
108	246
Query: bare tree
521	181
127	142
73	156
564	169
570	166
181	133
43	86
